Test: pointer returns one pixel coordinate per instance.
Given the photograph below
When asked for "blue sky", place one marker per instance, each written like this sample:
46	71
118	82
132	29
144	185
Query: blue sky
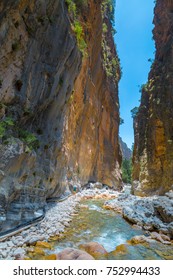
133	22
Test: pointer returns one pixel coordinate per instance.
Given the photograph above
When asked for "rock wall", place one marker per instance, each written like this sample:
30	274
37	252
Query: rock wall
125	150
153	125
59	109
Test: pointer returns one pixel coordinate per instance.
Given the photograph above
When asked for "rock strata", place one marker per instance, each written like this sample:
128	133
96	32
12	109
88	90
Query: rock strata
59	107
153	124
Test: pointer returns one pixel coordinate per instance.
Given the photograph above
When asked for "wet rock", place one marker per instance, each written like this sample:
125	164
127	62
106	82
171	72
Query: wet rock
120	250
73	254
152	213
93	248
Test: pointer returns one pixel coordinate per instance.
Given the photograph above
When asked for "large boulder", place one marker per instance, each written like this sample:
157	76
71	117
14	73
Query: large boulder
93	248
73	254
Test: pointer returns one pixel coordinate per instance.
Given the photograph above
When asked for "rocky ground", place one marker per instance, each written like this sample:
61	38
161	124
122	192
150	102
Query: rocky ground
58	216
153	214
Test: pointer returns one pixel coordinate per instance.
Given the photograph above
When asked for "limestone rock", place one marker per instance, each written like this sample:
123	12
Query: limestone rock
73	254
59	111
93	248
153	125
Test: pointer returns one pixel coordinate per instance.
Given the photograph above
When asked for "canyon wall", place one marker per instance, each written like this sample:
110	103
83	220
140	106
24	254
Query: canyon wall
125	150
59	104
153	123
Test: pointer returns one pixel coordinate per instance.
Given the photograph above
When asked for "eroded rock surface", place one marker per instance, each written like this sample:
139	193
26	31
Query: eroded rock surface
59	111
153	125
151	213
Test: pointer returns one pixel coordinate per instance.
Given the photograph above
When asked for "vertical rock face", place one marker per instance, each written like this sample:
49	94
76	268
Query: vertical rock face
126	152
92	122
153	125
59	110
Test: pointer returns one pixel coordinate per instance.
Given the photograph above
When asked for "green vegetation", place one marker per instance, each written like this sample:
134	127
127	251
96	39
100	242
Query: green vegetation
9	130
78	30
134	112
29	138
108	9
127	171
148	87
121	121
74	9
2	129
104	27
111	62
111	65
5	125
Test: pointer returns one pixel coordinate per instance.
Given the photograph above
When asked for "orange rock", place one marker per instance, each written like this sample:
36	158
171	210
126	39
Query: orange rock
93	248
120	249
38	251
50	257
43	244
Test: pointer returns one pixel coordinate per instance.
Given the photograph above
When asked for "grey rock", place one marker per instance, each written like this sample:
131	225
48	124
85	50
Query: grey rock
19	253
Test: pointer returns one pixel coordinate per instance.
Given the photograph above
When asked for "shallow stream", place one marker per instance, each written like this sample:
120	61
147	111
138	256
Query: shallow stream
94	223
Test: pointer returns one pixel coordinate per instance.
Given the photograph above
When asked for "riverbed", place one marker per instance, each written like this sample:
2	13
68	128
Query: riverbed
93	223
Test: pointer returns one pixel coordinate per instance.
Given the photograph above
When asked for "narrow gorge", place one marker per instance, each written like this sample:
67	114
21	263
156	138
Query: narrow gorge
60	150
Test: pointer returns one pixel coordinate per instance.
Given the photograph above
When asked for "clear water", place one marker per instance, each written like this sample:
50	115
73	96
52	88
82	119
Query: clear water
110	230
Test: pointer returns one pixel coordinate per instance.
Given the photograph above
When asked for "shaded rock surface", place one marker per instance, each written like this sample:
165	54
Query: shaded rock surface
153	125
126	152
59	111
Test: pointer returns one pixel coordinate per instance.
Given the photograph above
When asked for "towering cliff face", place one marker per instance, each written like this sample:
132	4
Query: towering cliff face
59	109
153	151
126	151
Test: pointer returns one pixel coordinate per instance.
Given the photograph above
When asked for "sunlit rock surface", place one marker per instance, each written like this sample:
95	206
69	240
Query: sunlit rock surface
59	111
153	150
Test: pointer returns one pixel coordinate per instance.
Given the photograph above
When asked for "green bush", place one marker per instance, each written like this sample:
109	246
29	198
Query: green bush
74	8
29	138
78	29
71	7
2	129
5	125
127	171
